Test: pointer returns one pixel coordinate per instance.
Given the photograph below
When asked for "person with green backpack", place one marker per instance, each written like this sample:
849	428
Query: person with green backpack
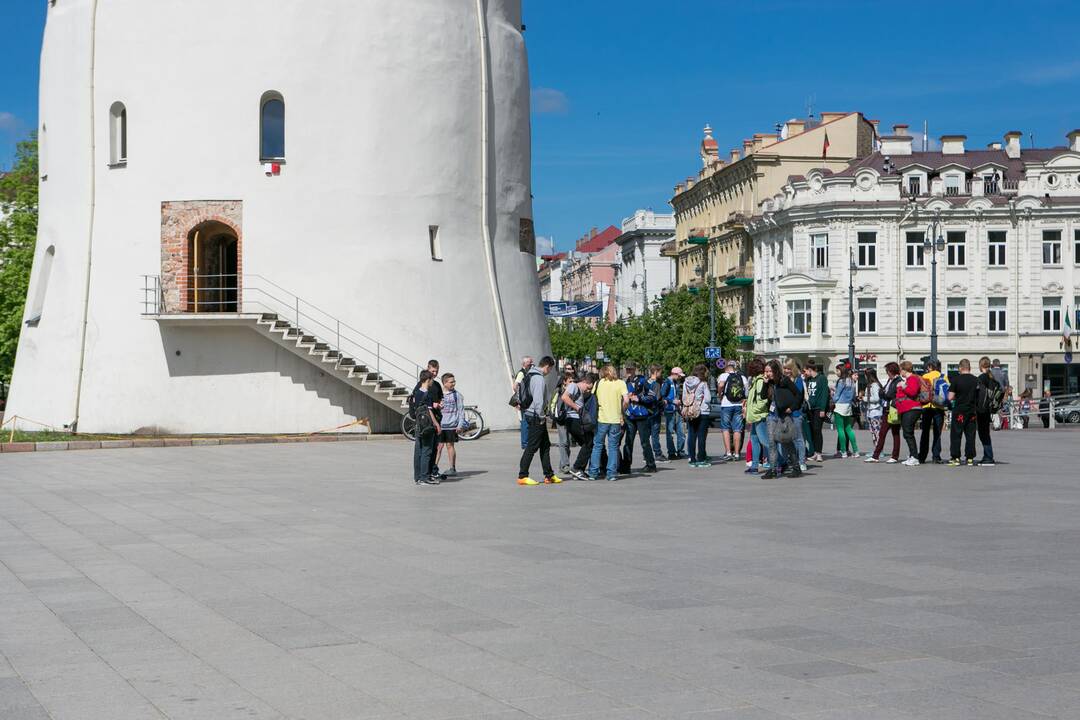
757	413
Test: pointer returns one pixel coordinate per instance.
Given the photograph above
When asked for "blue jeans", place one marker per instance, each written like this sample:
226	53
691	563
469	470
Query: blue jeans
524	432
695	441
654	433
759	436
611	433
799	442
673	426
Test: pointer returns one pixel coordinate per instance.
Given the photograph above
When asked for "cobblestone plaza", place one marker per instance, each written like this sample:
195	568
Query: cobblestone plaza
316	581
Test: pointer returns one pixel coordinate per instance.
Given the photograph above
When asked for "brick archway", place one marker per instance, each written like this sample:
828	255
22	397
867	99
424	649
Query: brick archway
178	220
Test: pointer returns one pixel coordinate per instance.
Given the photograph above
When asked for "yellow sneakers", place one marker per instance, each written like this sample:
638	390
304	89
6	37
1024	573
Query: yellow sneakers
553	480
527	481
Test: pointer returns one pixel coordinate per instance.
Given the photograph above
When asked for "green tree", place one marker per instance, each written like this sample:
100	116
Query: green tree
18	234
673	331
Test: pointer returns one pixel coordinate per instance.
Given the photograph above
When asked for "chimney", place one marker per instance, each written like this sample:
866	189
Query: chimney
759	141
994	146
830	116
952	144
769	139
747	147
1074	140
1012	143
896	145
735	155
689	183
592	233
794	127
899	129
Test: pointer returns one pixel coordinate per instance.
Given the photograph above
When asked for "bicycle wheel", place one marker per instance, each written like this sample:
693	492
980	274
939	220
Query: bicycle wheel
474	424
408	426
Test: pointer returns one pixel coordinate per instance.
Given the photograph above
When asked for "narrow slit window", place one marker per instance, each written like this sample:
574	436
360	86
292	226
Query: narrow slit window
37	304
436	243
272	127
118	132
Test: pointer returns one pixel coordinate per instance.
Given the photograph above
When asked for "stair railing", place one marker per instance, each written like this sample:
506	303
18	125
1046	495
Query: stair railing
255	294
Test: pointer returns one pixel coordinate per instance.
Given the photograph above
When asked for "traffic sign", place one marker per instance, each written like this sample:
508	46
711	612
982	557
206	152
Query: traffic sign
713	353
720	364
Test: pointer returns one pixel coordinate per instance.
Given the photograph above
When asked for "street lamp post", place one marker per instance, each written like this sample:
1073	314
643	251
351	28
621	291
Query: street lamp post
935	243
644	289
851	307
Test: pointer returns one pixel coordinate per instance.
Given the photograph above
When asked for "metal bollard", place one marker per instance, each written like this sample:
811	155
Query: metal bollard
1053	415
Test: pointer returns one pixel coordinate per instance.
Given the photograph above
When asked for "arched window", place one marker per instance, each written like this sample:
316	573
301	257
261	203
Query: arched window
37	303
118	134
272	127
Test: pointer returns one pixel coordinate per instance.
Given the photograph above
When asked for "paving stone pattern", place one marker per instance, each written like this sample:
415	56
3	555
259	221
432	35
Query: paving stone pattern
316	581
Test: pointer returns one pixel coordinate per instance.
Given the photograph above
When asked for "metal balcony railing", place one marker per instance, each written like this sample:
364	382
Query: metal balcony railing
204	295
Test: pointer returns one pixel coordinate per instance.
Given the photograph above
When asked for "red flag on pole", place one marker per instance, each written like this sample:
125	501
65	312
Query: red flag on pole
825	146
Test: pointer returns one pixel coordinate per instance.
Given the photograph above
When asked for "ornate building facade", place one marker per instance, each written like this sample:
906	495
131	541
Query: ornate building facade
1005	229
711	209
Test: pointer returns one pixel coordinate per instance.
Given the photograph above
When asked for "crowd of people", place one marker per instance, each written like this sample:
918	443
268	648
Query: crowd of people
770	415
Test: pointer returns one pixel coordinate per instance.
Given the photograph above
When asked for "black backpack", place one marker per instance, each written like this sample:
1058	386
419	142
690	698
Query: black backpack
523	398
421	415
734	390
990	396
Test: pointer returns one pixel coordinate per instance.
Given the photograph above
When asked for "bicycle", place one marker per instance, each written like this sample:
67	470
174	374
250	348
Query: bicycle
474	425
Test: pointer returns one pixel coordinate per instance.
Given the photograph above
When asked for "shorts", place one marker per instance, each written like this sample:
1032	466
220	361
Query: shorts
448	437
731	418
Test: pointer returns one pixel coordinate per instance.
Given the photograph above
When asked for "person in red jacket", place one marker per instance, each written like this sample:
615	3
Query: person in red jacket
909	407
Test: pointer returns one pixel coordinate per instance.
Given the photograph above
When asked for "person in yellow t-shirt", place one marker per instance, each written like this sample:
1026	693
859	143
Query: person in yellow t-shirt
611	399
933	418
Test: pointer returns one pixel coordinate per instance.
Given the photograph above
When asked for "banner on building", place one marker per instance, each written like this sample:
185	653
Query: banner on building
574	309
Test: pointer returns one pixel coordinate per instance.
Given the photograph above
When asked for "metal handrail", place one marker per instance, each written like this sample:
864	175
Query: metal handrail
307	317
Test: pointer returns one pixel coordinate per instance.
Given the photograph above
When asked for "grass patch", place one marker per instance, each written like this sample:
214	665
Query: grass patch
49	436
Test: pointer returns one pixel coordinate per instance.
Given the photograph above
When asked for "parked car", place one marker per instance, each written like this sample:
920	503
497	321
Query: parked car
1068	411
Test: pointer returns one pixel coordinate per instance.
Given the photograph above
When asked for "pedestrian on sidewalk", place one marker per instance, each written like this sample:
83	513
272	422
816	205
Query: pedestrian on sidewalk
639	413
843	403
817	403
757	412
695	402
962	396
933	414
526	365
611	399
890	416
451	423
531	397
671	393
783	399
426	424
909	407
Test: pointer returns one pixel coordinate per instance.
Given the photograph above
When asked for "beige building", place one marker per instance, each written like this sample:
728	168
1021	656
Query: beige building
712	208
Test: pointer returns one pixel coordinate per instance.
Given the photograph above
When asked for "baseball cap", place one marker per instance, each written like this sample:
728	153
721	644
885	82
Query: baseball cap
678	371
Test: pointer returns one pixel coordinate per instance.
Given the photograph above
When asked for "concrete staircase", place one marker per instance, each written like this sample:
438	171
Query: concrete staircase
375	385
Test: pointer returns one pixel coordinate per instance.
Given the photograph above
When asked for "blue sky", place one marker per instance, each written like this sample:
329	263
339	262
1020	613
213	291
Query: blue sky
622	88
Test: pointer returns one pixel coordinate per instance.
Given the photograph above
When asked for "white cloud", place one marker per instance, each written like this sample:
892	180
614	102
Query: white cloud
1051	74
545	245
548	101
8	122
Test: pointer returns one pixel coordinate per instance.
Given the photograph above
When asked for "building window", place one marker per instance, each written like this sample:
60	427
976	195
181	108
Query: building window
435	242
118	135
1051	246
956	249
915	250
952	184
867	254
824	317
798	317
868	315
916	315
957	315
37	301
996	239
995	315
272	127
1051	314
819	250
914	183
990	185
1076	248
